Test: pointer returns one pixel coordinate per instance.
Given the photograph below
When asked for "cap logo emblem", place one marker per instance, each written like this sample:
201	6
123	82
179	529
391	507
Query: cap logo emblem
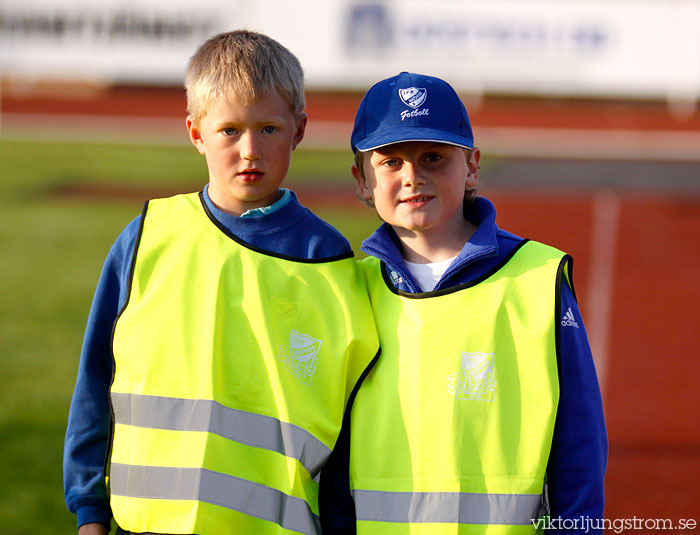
413	97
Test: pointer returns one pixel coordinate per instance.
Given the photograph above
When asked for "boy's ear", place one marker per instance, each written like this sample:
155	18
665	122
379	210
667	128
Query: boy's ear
301	128
474	155
363	190
195	134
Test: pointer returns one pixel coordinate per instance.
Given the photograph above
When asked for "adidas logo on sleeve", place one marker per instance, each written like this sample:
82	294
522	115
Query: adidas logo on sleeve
568	320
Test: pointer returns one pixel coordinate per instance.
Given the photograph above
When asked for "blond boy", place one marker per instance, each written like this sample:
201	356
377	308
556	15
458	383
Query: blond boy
228	330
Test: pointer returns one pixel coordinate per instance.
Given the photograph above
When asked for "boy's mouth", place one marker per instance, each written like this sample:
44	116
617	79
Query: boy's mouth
250	175
416	199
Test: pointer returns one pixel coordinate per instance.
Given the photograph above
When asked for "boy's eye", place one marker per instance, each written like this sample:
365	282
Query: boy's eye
392	162
229	131
269	129
433	157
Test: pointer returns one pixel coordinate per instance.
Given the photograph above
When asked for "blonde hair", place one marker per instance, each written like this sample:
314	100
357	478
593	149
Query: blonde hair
245	65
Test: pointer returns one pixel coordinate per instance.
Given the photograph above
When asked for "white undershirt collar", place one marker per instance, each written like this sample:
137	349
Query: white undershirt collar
428	275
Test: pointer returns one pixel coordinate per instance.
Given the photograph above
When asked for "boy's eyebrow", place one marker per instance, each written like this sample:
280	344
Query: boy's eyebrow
234	122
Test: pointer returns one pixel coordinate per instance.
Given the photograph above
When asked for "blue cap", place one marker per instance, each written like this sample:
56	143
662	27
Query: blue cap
411	107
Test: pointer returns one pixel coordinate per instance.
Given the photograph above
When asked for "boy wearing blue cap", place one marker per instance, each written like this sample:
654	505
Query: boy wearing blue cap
483	414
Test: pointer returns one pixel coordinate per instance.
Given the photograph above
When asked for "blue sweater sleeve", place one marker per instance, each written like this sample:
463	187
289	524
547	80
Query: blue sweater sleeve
578	458
87	433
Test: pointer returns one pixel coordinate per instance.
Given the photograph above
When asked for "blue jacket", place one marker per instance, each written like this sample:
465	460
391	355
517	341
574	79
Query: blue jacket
578	458
288	229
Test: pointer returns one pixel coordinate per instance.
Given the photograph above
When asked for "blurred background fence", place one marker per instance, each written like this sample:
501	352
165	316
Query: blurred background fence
585	111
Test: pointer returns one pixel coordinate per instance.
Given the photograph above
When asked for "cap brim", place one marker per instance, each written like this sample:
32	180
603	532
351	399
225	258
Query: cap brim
403	134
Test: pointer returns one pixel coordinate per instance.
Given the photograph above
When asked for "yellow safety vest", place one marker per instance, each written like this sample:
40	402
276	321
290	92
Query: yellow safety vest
232	372
451	430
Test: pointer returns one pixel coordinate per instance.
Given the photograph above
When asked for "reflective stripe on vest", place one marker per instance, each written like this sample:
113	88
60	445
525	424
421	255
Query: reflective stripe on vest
446	507
454	423
207	415
156	482
232	371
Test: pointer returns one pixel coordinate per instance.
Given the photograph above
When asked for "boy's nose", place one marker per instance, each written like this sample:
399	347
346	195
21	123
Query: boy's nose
412	175
249	147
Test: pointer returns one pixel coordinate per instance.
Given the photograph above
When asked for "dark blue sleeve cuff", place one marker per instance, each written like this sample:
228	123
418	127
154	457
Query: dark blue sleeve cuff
89	513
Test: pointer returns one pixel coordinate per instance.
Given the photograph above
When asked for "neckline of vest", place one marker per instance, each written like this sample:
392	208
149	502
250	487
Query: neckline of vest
247	245
451	289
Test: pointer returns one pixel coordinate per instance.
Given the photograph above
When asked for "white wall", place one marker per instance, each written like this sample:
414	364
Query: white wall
626	48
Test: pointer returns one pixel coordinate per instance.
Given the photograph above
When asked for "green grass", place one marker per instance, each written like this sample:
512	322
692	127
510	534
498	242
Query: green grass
42	167
51	251
51	256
